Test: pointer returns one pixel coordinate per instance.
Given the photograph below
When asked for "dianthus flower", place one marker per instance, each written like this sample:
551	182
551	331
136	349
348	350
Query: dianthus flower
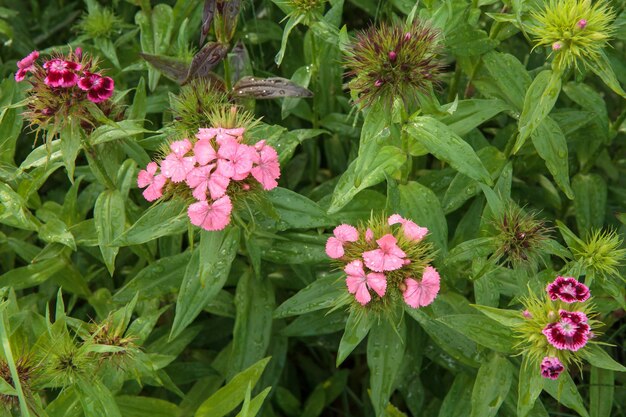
212	168
26	65
384	263
98	88
61	73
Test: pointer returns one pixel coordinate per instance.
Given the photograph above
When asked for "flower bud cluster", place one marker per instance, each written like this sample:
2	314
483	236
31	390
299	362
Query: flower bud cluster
212	167
386	260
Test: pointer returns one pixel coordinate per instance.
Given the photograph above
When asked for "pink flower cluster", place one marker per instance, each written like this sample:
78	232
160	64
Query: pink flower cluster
368	271
208	167
68	73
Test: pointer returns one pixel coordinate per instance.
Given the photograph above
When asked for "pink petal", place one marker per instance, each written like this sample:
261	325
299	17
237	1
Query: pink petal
369	235
204	152
354	283
346	233
180	147
144	178
215	216
334	248
374	260
414	232
377	282
155	190
422	293
206	134
218	185
355	268
394	219
362	295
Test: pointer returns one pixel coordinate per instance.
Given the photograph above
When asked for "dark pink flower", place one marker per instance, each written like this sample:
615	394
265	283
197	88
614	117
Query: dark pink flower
551	367
343	233
26	65
388	256
235	159
98	88
360	283
61	73
155	183
266	168
422	293
213	216
571	332
567	289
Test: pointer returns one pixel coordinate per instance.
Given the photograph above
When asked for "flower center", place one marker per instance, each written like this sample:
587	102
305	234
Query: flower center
59	66
568	328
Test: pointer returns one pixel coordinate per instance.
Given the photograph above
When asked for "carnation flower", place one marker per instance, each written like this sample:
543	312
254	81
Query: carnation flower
176	165
98	88
411	230
61	73
266	169
567	289
154	183
570	332
551	367
26	65
211	216
235	159
396	266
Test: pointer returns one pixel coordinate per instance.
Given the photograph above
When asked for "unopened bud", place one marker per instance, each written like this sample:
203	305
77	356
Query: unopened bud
556	46
582	23
79	53
527	314
378	83
392	56
407	36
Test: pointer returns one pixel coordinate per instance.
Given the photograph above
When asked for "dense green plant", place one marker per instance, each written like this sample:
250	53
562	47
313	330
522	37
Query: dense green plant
312	208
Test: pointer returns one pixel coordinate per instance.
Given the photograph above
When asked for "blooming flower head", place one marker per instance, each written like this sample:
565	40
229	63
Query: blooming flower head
568	289
61	72
383	264
556	326
576	30
98	88
26	65
551	367
213	168
392	61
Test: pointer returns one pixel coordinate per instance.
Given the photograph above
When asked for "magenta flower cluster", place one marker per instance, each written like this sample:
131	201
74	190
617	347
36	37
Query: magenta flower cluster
367	272
66	73
571	330
208	167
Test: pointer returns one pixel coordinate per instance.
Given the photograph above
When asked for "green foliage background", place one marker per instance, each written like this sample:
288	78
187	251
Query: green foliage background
191	317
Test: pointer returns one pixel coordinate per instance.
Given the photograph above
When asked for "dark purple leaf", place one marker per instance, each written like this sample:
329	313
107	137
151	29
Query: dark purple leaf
207	19
240	61
205	60
172	68
269	88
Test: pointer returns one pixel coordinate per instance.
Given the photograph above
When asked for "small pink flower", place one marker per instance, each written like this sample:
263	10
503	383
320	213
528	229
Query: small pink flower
26	65
422	293
567	289
204	152
220	134
551	367
343	233
203	179
359	283
61	73
571	332
266	169
388	256
411	230
527	314
556	46
369	235
582	23
98	88
155	183
176	166
235	159
214	216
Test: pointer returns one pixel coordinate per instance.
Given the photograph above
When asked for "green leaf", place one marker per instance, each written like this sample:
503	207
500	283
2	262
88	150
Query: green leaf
420	204
510	318
121	130
357	327
135	406
205	275
551	146
482	330
564	391
110	219
598	357
162	219
253	406
320	294
510	78
376	163
447	146
297	211
491	387
14	211
601	392
56	231
292	22
529	388
232	394
316	323
71	138
155	280
538	103
470	114
33	274
458	399
602	68
590	191
385	350
254	303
